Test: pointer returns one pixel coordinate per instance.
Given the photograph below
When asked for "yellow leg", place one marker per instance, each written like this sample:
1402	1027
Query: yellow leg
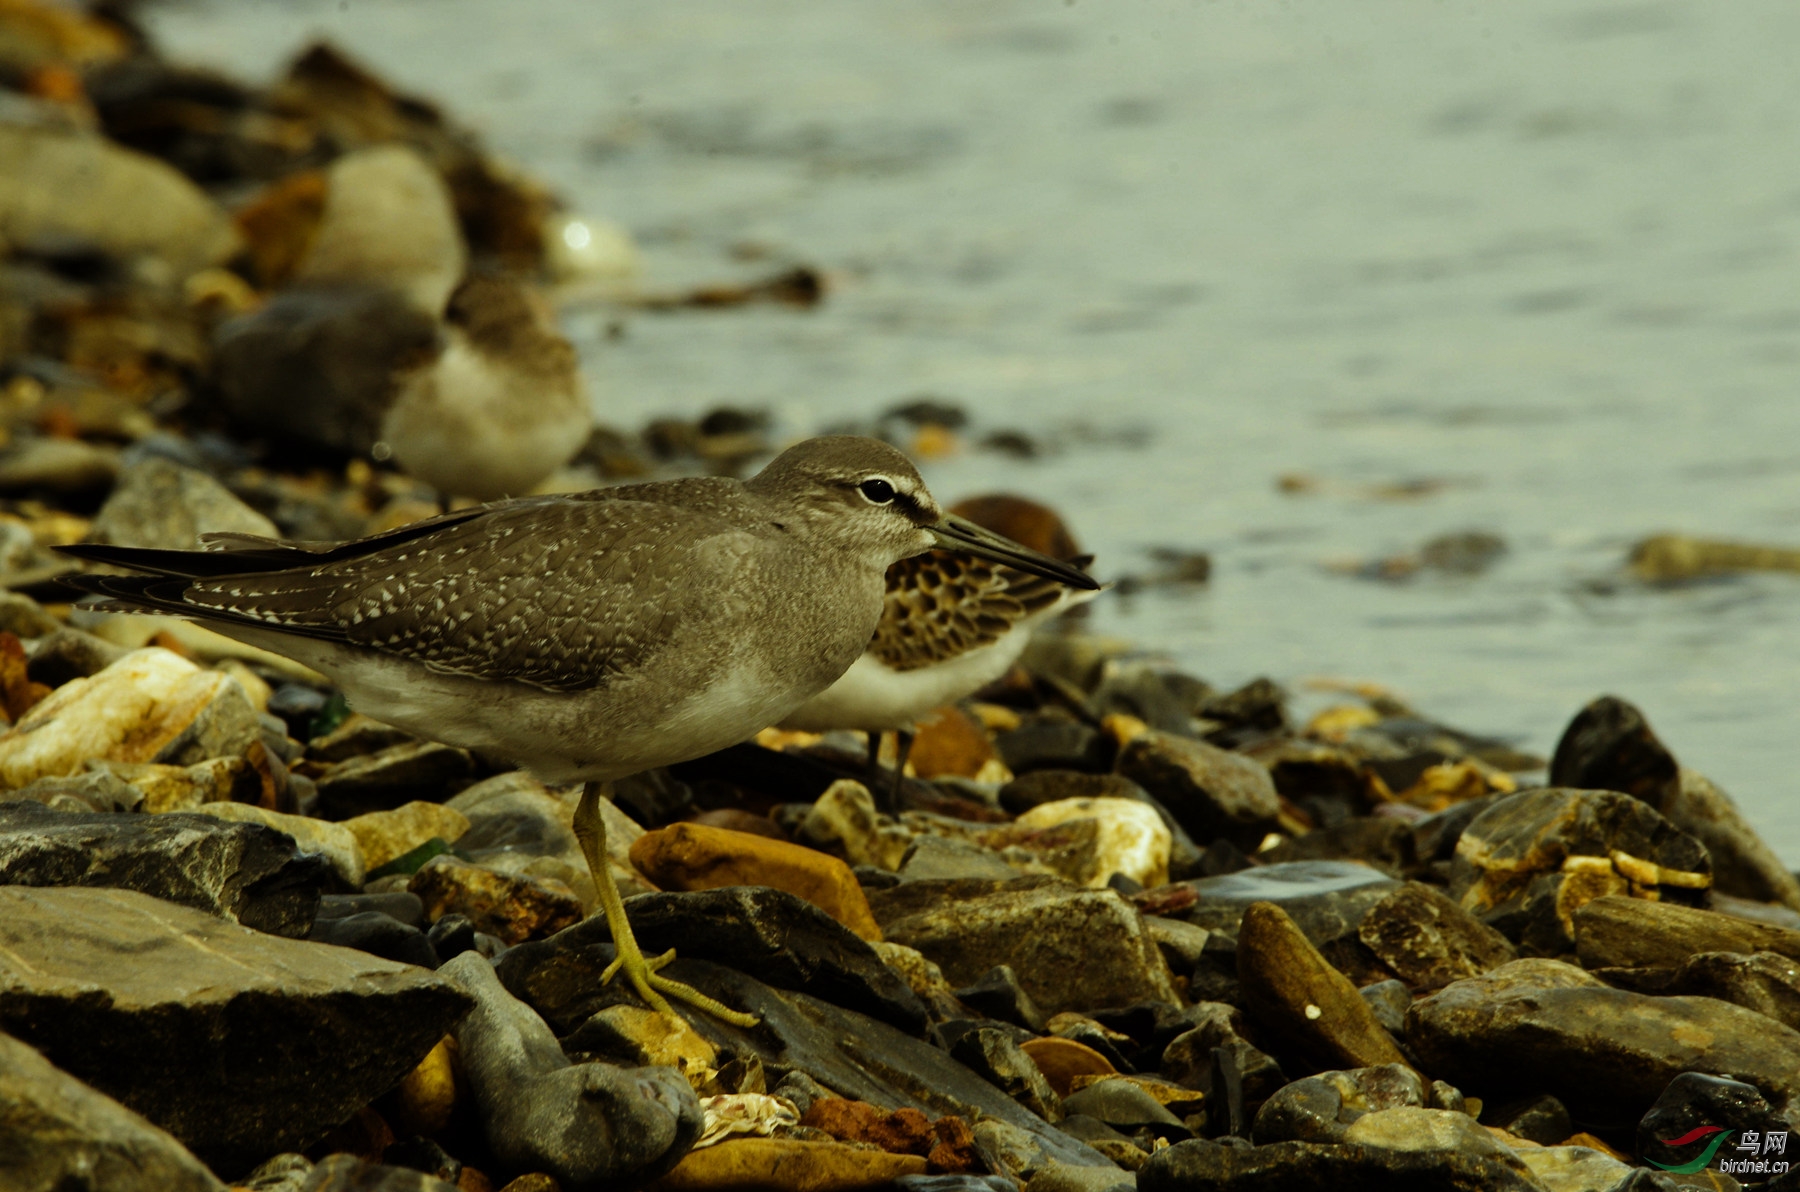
590	830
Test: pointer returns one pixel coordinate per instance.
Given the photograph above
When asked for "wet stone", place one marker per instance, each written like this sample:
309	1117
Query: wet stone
1541	1119
347	1173
1428	940
1619	932
384	835
157	1006
779	937
1695	1099
1743	863
1125	1106
400	774
1609	746
330	842
995	1057
98	790
1053	745
585	1124
56	1132
1542	1026
943	858
1210	791
999	995
1228	1166
377	934
1529	862
1389	1000
1062	1060
243	872
1045	930
67	654
1321	1108
1049	786
1193	1057
1309	1008
1380	842
1766	982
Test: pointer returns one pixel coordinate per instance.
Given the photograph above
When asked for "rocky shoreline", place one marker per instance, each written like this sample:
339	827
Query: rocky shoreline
1126	930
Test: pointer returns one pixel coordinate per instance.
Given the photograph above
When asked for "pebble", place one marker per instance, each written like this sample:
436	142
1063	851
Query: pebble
786	1165
1062	1060
516	825
1321	1107
512	907
392	778
1617	932
149	706
1695	1099
1043	929
159	503
996	1058
1210	791
1308	1006
427	1096
347	1173
585	1124
245	873
1545	1026
845	816
186	788
155	1005
1527	863
384	835
1129	838
1428	940
334	842
694	857
1766	982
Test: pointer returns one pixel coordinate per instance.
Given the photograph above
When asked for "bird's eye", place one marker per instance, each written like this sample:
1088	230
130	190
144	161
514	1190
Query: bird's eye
876	492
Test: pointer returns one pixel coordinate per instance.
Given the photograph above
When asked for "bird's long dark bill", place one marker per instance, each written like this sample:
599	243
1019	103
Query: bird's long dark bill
955	533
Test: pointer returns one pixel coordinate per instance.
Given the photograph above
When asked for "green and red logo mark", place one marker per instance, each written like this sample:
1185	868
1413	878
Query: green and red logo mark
1718	1133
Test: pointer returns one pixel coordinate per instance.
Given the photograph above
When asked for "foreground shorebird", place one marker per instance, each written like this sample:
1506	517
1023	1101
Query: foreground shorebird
592	635
950	625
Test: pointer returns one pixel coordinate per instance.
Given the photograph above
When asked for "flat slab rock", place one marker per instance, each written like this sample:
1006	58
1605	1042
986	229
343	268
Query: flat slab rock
56	1133
245	872
238	1043
1072	948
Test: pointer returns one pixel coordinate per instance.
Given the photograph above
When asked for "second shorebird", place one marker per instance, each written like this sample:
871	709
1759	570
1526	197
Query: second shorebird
592	635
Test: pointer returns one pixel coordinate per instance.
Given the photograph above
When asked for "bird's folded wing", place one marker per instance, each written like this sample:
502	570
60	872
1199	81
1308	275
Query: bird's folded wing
939	605
557	593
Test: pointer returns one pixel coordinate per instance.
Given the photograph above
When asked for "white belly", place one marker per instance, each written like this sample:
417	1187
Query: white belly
873	698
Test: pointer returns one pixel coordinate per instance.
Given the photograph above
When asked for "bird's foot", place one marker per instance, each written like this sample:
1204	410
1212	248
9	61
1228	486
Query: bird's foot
651	985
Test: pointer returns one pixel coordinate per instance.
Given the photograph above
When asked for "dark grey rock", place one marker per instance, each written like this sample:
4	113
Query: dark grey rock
240	1044
1435	836
1695	1099
954	1183
408	908
70	654
1743	863
591	1126
1152	1025
347	1173
1541	1119
1125	1106
57	1133
998	995
1510	868
1210	791
996	1058
1428	940
782	939
1609	747
451	935
247	873
1072	948
1053	745
1208	1166
1542	1026
378	934
1181	943
1381	842
1320	1108
1191	1057
1389	1000
397	775
1766	982
1064	1177
1162	699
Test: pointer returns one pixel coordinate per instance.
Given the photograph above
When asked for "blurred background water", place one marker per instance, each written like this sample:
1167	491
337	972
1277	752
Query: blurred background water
1542	254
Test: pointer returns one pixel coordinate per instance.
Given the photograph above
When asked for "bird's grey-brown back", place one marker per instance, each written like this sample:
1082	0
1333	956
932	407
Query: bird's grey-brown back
613	630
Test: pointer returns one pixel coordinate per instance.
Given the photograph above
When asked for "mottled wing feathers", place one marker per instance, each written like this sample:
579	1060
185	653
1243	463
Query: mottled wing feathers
558	593
940	604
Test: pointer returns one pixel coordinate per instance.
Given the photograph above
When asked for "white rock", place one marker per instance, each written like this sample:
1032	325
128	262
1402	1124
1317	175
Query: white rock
150	706
1573	1168
845	814
336	843
1133	840
388	221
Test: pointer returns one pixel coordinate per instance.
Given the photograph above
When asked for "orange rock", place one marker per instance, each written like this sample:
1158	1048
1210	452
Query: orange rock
954	1151
786	1165
905	1131
514	907
697	857
279	223
951	742
533	1181
1062	1060
473	1180
736	819
17	692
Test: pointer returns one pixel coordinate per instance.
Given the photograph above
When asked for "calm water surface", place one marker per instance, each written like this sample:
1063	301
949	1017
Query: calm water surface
1545	252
